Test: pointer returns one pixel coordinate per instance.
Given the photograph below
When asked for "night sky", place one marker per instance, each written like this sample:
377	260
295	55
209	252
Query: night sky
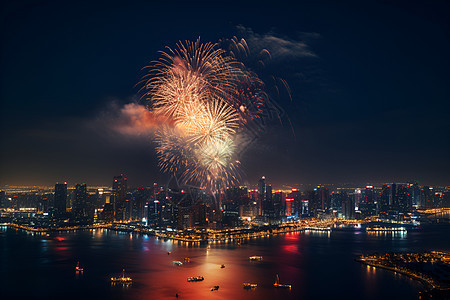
370	87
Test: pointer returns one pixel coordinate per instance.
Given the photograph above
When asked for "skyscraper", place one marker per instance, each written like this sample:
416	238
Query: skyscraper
79	209
426	197
323	196
119	193
60	201
415	194
348	206
261	195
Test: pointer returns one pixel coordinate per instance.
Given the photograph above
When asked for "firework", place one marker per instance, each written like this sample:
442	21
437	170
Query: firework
210	99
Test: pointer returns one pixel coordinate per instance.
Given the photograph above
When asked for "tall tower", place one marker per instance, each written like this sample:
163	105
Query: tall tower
261	195
79	209
119	192
60	198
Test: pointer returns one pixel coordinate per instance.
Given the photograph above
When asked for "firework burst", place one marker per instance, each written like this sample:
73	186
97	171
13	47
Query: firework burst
209	98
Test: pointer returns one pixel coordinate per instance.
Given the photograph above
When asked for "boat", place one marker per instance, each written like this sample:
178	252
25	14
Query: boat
215	288
277	284
248	285
122	279
177	262
222	266
78	269
256	258
195	278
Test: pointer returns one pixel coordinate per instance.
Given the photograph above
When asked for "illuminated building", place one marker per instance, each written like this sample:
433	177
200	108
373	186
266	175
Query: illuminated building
304	210
402	198
386	192
119	193
268	205
415	194
79	209
310	196
295	205
358	197
427	197
368	204
348	207
261	195
289	202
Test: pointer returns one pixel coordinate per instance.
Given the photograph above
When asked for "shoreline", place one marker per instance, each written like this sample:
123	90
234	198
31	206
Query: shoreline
236	235
423	281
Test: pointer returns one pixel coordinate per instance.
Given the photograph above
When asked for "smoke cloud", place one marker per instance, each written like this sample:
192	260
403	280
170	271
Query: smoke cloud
132	119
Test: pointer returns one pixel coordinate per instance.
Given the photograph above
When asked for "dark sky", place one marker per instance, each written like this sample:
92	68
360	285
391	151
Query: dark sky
370	87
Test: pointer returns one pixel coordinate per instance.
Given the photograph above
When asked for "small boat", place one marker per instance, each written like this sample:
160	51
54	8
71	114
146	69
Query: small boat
215	288
255	258
248	285
177	262
168	253
195	278
279	285
122	279
78	269
222	266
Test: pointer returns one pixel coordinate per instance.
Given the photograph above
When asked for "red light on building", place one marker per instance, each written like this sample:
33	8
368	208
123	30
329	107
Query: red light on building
289	206
65	182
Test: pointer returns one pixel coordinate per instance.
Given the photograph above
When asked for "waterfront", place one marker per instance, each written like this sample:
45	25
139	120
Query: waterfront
317	264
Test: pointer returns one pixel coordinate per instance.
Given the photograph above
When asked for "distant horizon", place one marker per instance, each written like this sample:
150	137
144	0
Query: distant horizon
282	186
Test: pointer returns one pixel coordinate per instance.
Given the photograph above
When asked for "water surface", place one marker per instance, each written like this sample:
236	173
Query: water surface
318	265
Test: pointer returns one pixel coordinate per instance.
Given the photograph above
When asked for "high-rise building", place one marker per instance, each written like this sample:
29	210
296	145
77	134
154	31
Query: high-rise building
80	201
367	206
323	196
296	204
348	207
261	195
313	203
358	197
386	195
403	198
415	194
267	204
289	202
119	193
60	200
426	197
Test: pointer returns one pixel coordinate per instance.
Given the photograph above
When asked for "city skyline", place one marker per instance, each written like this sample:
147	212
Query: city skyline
369	103
194	149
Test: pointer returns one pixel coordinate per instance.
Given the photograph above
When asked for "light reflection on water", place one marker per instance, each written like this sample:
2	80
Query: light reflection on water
317	264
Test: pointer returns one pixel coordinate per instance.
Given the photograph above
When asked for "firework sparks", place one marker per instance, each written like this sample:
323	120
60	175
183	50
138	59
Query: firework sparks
209	98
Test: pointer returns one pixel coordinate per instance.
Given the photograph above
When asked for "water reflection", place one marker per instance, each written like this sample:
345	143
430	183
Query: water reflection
309	261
